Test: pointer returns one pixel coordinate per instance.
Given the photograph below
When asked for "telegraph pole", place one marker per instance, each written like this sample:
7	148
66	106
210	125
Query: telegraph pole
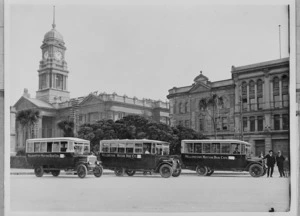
279	42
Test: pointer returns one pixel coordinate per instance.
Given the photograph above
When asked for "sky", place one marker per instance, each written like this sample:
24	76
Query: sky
144	48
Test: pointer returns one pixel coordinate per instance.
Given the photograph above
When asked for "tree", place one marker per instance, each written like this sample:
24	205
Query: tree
67	126
211	105
136	127
27	119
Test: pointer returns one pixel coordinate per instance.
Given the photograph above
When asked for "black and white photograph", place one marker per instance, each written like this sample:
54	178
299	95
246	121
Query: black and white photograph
151	107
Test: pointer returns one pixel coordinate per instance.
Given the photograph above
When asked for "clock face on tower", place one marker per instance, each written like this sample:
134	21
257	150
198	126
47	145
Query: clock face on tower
46	55
58	55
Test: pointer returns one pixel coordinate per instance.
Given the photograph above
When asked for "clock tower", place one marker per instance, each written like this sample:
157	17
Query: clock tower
53	72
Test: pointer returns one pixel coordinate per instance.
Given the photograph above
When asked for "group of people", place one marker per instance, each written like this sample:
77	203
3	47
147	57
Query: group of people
272	160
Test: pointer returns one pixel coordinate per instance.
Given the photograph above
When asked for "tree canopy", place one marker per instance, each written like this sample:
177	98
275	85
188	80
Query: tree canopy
67	127
136	127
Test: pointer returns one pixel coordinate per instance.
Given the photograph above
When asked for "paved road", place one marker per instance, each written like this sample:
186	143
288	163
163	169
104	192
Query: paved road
222	192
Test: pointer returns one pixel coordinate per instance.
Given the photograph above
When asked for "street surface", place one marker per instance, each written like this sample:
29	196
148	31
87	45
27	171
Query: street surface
221	192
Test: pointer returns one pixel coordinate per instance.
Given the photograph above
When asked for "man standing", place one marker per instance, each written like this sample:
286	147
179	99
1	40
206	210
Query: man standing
270	163
279	160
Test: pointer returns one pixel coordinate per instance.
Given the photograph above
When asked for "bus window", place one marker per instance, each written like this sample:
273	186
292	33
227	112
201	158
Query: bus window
63	146
49	146
158	149
129	148
55	147
105	147
215	147
165	149
138	148
198	147
121	148
113	148
243	148
146	148
190	147
37	147
206	148
86	149
30	147
43	147
225	148
235	147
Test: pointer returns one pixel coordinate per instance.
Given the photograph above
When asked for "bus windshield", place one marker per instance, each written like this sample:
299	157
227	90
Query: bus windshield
81	148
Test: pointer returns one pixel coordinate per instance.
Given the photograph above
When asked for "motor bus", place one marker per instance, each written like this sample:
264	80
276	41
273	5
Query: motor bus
206	156
128	156
51	155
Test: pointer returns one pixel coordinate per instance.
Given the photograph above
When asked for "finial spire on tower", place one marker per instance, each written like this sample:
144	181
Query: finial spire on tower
53	25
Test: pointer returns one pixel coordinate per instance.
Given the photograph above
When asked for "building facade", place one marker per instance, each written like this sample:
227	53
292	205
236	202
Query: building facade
255	106
54	102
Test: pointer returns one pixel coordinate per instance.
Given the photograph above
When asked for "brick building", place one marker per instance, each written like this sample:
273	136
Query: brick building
255	106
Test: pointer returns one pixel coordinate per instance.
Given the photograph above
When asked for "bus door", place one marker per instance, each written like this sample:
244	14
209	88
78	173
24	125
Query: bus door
237	156
148	156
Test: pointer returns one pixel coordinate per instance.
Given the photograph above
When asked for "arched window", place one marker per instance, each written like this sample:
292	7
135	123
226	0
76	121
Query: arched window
276	96
252	94
186	107
259	90
285	91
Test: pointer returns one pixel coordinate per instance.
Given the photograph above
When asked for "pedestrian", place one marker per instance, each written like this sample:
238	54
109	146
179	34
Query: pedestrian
271	160
280	160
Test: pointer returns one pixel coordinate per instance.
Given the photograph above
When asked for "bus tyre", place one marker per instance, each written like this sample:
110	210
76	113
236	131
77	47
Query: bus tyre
165	171
39	171
98	170
81	171
209	172
256	170
176	172
55	173
119	171
201	170
130	172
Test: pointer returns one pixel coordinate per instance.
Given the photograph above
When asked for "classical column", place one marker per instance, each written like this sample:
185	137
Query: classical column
266	90
255	95
280	93
271	94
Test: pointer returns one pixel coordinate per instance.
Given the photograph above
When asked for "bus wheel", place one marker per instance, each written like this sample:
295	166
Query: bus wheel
256	170
81	171
39	171
98	170
130	172
55	173
165	171
119	171
201	170
176	172
209	172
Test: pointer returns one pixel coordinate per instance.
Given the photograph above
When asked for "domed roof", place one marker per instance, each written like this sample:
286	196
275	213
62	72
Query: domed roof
53	34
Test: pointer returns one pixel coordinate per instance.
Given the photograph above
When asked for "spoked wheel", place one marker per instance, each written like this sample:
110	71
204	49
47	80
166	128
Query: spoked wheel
130	172
165	171
98	170
201	170
39	171
256	170
209	172
81	171
176	172
55	173
119	171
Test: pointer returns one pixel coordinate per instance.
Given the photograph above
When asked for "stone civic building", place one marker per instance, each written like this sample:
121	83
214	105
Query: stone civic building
255	106
54	102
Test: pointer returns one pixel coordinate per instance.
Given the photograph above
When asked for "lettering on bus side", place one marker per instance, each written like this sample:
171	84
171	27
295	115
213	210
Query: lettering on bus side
44	155
119	155
207	157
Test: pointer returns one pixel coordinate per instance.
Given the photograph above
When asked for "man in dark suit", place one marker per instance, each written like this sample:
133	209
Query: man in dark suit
279	160
270	163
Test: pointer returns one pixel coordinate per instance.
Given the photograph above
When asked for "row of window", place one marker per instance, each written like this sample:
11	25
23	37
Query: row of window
135	148
277	120
42	147
57	81
216	148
